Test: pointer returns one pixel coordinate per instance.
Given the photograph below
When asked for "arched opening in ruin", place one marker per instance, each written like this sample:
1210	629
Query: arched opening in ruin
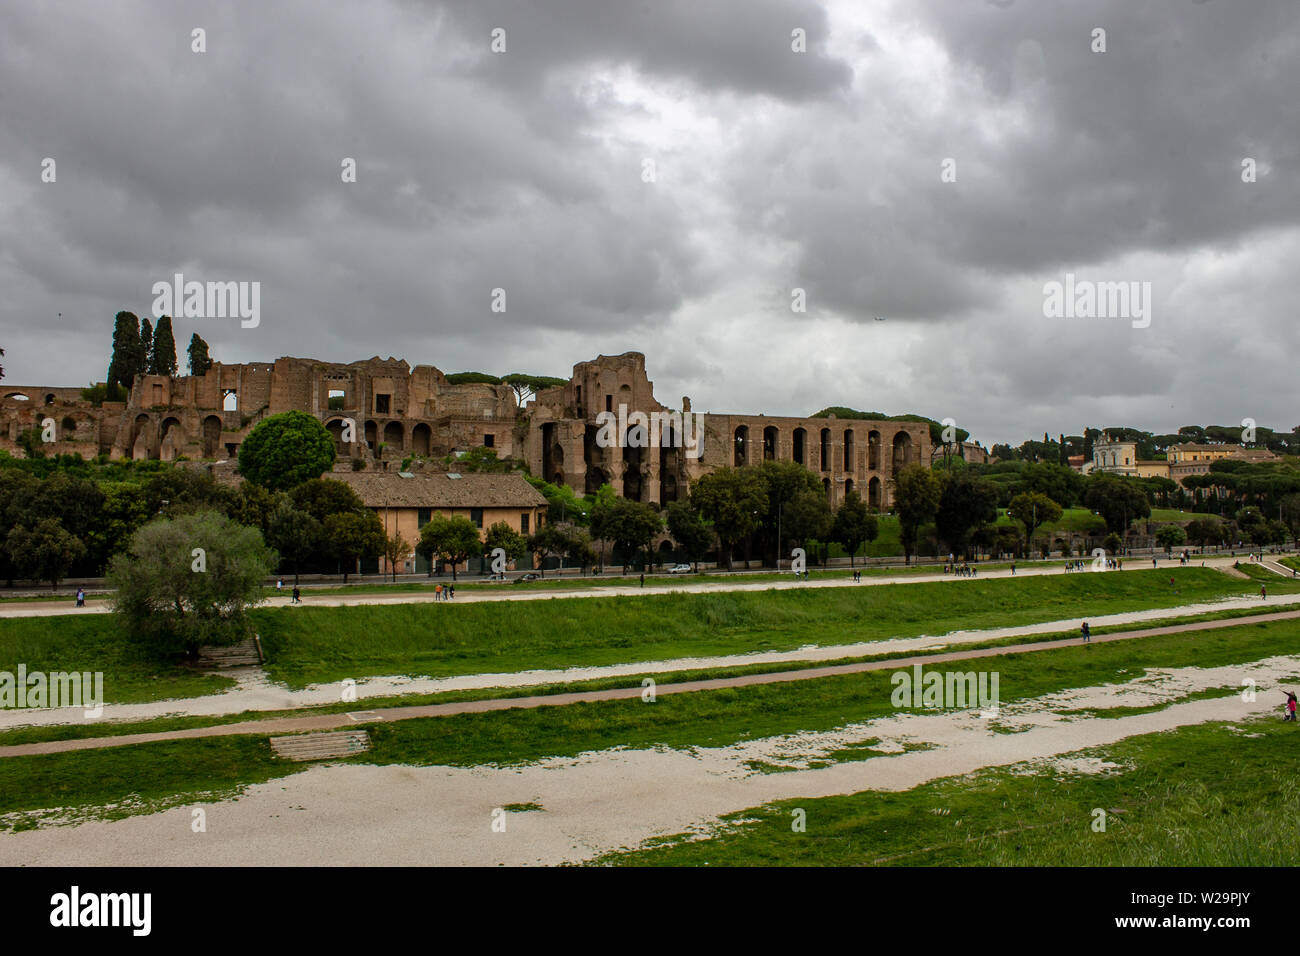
372	435
229	400
551	464
49	398
874	494
211	436
826	486
669	464
422	439
848	450
799	448
742	446
771	441
825	450
902	450
634	456
18	397
848	487
393	435
335	427
141	444
873	450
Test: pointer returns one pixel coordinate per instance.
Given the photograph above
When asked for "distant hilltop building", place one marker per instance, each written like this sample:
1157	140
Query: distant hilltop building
1190	458
397	412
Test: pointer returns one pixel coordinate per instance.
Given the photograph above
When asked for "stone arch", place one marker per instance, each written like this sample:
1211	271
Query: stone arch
873	450
848	487
49	398
902	450
335	427
826	449
771	442
826	486
874	496
170	438
18	397
211	436
372	434
741	446
849	451
394	436
799	447
141	437
422	439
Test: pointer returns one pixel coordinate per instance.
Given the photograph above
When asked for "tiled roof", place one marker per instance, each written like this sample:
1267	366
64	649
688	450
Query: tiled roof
387	489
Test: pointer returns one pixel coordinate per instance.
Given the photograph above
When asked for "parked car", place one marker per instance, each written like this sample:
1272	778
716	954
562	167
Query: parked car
680	569
530	576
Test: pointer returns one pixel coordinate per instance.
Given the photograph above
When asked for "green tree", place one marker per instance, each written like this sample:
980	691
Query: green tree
1204	531
199	359
854	524
1033	509
629	525
452	540
1120	501
782	482
146	346
501	535
322	497
1170	536
285	450
917	491
162	357
187	582
128	360
1113	543
732	499
690	531
295	534
396	548
44	552
350	536
966	504
807	518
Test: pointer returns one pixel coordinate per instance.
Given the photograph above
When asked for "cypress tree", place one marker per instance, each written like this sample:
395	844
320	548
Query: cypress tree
200	361
127	362
146	346
163	359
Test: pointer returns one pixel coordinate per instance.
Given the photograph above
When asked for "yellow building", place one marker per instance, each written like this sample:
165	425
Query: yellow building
406	502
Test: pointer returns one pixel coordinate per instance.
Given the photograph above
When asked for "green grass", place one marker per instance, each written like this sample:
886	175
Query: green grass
1202	795
701	719
316	645
309	645
95	643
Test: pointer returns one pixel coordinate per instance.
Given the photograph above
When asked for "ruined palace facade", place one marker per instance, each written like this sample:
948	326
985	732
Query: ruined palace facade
395	412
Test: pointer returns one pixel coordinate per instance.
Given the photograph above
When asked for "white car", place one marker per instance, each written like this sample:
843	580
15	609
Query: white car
680	569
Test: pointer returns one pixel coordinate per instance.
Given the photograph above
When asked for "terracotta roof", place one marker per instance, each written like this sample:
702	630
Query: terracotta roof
388	489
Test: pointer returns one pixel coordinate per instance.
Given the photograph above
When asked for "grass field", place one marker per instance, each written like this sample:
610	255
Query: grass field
314	645
1197	796
141	775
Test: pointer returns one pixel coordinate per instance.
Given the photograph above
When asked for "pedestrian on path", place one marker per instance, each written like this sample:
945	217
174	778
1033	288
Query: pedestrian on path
81	597
1263	592
279	585
643	580
1085	633
297	596
451	592
437	592
1290	706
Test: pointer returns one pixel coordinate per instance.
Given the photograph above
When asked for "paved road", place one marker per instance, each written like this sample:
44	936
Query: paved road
822	579
321	722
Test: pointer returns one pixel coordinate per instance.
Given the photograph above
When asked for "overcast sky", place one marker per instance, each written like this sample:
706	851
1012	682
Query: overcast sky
773	170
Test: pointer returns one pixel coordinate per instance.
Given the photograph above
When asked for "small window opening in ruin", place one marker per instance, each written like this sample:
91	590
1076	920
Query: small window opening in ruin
489	441
381	404
336	398
230	401
609	403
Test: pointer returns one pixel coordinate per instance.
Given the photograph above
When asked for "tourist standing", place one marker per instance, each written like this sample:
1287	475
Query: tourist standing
81	597
297	595
1290	706
1085	633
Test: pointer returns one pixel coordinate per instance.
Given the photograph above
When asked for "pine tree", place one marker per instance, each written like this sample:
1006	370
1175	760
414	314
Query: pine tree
200	361
146	346
163	359
127	362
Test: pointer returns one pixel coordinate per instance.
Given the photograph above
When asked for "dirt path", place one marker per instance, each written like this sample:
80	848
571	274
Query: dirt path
823	579
319	722
352	814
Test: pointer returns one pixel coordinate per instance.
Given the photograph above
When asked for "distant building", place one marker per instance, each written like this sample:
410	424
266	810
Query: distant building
1114	457
406	502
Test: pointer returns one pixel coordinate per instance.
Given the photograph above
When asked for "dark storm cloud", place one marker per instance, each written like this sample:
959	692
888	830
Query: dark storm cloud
775	170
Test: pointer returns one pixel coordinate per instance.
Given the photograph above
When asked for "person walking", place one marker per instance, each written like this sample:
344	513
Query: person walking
279	585
1013	569
643	579
1085	633
451	592
81	597
437	592
1290	706
1263	592
297	596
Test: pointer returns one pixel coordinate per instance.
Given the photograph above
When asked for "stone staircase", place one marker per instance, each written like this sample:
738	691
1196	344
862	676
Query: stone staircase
245	654
341	743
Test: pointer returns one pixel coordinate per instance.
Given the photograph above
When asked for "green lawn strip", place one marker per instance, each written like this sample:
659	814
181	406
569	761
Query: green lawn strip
1115	712
712	718
37	734
322	645
95	643
109	784
1202	795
